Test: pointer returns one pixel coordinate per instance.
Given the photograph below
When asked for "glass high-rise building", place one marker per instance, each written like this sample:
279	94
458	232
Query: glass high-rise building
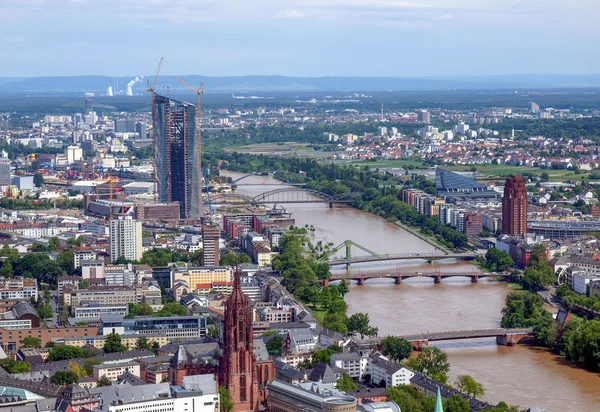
177	156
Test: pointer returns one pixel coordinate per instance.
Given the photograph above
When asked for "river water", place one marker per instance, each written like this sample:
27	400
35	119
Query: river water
522	375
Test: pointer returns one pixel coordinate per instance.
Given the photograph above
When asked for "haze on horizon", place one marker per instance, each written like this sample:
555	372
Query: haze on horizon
399	38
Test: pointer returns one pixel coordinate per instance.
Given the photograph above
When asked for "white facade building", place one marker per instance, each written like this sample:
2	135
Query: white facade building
125	239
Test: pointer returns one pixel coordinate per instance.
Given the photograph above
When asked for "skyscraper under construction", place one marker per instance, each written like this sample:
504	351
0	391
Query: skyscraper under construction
177	156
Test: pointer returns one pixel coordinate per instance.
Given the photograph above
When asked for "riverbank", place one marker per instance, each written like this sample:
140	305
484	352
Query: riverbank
424	238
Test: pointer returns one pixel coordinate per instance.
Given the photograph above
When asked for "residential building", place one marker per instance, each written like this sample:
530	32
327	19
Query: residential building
472	224
384	372
210	243
113	371
125	239
18	288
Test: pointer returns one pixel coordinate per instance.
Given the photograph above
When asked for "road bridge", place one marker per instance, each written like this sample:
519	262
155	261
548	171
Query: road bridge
400	277
286	195
504	337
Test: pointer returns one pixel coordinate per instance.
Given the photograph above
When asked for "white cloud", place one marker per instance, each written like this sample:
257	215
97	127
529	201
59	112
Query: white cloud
289	14
442	17
15	39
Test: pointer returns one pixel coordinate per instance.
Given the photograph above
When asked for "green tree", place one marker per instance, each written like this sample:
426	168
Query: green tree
88	366
172	309
103	381
407	398
143	343
396	348
345	383
470	386
10	253
140	309
13	366
539	273
497	260
231	259
38	179
64	378
343	287
63	352
432	361
275	345
336	322
66	261
114	344
457	403
31	342
53	243
359	323
227	404
6	271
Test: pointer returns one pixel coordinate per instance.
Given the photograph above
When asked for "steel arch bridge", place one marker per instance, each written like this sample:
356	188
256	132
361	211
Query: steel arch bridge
286	195
237	181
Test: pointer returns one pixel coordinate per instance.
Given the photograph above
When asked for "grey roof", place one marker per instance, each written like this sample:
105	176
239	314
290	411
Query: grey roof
206	384
322	372
110	395
288	371
195	353
260	350
301	336
24	308
379	407
130	379
347	356
305	316
285	326
390	367
367	392
42	405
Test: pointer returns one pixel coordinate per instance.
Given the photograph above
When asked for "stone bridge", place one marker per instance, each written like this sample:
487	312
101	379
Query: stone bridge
504	337
399	277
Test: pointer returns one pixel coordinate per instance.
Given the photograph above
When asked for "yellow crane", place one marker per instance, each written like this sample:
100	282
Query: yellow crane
198	91
151	89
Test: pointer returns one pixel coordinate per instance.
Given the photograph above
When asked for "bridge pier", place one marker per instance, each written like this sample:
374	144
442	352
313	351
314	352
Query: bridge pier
513	339
331	205
361	280
325	282
419	345
475	279
437	280
398	280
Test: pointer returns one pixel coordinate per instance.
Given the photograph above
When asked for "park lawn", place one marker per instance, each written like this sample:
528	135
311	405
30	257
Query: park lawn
319	314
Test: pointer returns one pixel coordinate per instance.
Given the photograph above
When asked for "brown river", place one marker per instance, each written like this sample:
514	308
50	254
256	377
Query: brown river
522	375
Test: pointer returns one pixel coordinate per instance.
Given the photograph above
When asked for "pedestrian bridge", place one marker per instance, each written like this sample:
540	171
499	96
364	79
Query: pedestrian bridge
505	337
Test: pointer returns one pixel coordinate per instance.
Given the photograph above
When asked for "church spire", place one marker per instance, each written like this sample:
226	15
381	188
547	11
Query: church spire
438	402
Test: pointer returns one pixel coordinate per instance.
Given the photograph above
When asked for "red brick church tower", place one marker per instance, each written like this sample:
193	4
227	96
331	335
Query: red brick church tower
237	369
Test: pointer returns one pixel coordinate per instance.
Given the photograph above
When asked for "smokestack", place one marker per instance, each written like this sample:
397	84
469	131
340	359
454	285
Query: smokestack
109	92
129	92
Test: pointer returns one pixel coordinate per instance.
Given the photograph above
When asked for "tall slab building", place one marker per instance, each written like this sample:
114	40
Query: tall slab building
514	206
177	156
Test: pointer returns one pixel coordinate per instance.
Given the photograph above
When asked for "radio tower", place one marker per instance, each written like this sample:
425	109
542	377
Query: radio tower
382	112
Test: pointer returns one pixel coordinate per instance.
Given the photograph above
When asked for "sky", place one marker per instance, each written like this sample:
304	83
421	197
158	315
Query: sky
398	38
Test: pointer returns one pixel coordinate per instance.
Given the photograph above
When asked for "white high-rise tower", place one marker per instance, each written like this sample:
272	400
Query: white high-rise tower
125	239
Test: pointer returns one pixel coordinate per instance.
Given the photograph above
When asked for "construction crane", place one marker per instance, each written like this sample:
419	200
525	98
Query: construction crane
111	179
205	174
151	89
198	92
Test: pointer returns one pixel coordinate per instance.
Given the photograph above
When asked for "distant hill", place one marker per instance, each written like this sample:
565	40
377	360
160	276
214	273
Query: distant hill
232	84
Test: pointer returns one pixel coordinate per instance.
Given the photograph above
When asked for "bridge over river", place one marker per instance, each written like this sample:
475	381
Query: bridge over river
399	277
505	337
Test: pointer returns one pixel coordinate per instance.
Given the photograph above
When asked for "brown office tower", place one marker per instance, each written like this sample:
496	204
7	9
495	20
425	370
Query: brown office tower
514	206
237	368
210	244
